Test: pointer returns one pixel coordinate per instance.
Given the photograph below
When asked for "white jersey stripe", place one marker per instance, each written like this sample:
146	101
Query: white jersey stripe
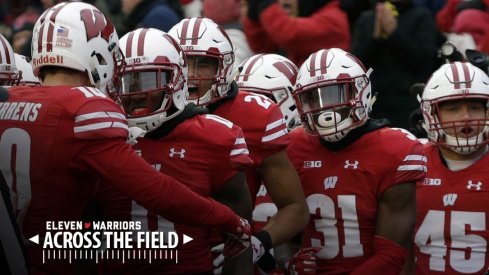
415	157
101	125
275	124
242	151
274	135
120	125
240	141
412	168
99	115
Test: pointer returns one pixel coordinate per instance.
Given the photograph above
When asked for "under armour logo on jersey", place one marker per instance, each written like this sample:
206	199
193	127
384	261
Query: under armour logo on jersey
353	165
330	182
449	199
139	152
174	152
471	185
157	166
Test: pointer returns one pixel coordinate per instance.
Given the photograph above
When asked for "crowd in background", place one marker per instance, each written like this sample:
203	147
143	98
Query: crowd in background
400	41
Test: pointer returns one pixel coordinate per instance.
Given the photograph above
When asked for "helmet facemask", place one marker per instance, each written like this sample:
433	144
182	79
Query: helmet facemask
465	135
208	73
331	109
147	92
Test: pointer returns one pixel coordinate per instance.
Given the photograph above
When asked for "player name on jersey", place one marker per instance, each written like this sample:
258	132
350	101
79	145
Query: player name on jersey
20	111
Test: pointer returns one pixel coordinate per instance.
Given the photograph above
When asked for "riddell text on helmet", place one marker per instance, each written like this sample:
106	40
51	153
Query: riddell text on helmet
45	59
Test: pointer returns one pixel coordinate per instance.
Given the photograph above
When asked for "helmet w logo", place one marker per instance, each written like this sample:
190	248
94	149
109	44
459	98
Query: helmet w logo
99	27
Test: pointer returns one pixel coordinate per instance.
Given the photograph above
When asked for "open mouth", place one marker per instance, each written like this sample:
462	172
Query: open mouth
467	132
140	111
193	92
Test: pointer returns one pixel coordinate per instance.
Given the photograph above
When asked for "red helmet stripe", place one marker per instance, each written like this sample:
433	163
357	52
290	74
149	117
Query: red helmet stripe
7	52
251	63
195	31
183	35
465	68
130	37
354	58
312	66
456	78
41	32
287	70
324	57
52	18
141	39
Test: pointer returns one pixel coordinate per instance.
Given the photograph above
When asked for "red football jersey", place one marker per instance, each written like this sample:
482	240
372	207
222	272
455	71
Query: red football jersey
451	234
203	152
342	190
56	142
263	126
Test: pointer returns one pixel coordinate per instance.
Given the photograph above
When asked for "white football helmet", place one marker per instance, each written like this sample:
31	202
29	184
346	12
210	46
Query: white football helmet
456	81
273	76
332	93
9	74
152	88
202	37
77	35
28	78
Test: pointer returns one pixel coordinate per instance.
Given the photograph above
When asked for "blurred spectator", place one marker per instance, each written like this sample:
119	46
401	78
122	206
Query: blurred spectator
191	8
354	8
22	31
433	5
399	42
474	22
299	27
227	14
156	14
445	18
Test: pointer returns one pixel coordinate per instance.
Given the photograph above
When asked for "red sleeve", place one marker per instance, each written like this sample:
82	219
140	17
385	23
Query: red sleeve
234	155
413	166
446	16
301	36
116	163
257	37
276	137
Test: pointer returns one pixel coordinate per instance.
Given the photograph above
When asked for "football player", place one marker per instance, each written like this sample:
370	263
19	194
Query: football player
451	233
205	152
58	140
13	258
211	59
358	175
271	75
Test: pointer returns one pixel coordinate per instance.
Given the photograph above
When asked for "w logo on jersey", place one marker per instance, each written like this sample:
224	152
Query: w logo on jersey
449	199
174	152
330	182
471	185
